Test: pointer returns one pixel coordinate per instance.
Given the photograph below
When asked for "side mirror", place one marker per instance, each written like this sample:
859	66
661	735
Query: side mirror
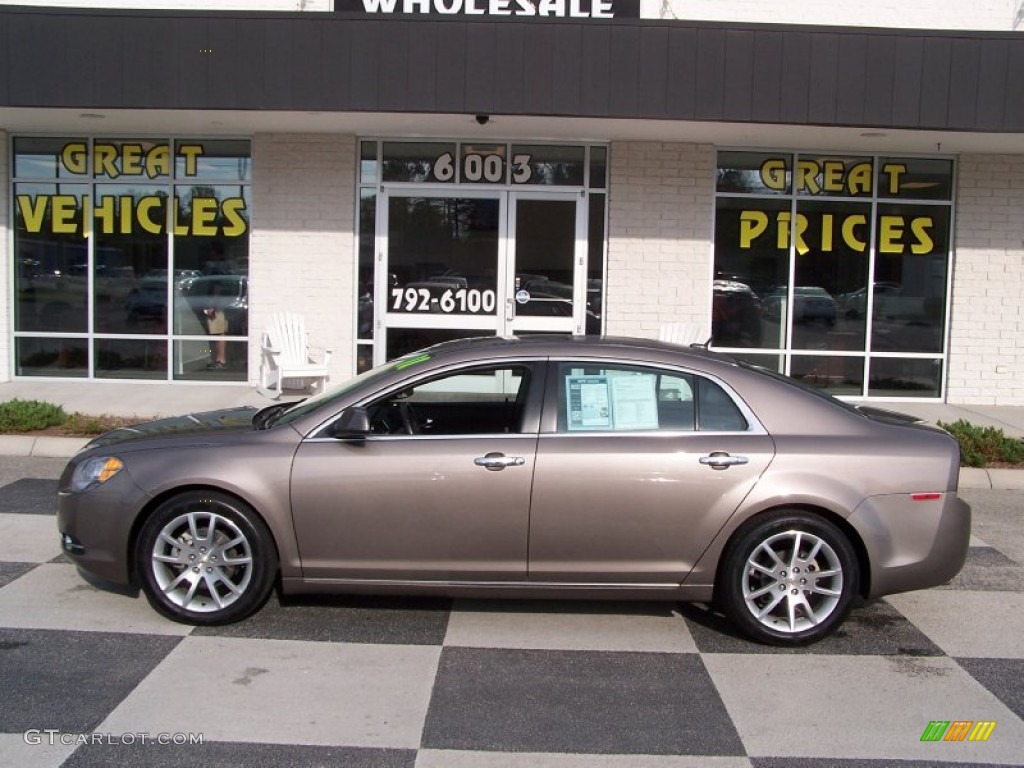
353	422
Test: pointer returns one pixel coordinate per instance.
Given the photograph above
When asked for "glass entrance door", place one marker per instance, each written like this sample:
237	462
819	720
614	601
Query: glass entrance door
478	263
546	265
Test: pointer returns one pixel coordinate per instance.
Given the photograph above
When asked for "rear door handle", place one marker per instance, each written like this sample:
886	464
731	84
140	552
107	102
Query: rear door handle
722	460
498	461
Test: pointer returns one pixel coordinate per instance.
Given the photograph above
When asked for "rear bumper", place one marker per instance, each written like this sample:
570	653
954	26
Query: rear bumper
912	544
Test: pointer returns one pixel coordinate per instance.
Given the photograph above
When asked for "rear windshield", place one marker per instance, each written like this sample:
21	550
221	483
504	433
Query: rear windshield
865	411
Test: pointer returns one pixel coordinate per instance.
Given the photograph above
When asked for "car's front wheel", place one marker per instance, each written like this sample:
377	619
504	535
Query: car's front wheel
205	558
788	578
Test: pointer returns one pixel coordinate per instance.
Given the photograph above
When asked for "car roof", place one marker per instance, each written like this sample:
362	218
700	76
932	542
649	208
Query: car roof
566	344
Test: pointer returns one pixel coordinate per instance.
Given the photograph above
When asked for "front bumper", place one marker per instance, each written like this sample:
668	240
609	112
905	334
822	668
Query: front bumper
95	527
912	544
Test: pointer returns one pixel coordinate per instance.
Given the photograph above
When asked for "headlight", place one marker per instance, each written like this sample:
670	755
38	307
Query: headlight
95	472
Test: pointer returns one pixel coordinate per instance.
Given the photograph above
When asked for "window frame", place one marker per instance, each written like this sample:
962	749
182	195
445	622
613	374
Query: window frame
529	421
554	404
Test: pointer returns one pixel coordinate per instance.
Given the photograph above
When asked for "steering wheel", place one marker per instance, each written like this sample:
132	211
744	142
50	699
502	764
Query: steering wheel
410	423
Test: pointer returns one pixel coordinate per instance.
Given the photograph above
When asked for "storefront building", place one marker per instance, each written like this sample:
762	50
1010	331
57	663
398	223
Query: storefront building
840	204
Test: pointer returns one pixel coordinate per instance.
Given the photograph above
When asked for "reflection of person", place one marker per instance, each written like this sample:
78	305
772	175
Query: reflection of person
217	325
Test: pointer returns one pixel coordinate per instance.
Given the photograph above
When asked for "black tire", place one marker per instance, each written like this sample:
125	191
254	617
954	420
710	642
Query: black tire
780	599
221	567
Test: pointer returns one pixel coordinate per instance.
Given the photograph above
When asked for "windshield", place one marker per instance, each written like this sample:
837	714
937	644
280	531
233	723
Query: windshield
303	407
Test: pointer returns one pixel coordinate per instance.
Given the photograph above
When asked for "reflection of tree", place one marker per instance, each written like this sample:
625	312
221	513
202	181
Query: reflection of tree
408	170
739	180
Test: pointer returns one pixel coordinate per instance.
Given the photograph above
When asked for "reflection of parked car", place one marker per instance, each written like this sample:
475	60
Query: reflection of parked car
889	302
735	315
147	301
551	305
811	303
763	503
225	293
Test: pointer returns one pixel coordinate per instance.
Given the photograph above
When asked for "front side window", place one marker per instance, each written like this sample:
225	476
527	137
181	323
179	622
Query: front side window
603	398
480	401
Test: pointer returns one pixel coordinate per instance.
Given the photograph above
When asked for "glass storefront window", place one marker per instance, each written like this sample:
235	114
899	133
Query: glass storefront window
51	258
751	273
598	167
432	162
52	356
368	162
754	172
595	264
548	164
104	258
443	254
831	373
131	359
835	253
831	264
43	158
908	313
482	163
918	178
905	377
223	160
833	176
367	239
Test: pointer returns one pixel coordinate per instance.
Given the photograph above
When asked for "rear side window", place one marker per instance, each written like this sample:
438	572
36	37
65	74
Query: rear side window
716	410
605	398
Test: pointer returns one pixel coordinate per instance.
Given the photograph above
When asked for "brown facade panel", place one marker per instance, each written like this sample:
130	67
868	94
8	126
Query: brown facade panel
622	68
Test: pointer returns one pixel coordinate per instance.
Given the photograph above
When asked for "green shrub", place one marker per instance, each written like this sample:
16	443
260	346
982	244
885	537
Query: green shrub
28	415
980	446
81	424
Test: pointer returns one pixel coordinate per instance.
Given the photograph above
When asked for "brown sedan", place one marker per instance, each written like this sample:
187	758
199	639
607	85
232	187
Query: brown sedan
540	467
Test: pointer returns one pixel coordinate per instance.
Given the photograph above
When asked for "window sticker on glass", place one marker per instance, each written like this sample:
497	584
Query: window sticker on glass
634	402
621	402
588	403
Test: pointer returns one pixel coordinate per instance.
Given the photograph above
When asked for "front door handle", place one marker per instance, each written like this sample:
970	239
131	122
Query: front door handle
722	460
498	461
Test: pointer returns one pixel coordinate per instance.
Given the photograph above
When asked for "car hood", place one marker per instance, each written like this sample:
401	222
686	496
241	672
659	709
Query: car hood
228	419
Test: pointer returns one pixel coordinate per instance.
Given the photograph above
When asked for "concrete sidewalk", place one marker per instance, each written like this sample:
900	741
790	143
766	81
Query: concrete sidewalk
149	400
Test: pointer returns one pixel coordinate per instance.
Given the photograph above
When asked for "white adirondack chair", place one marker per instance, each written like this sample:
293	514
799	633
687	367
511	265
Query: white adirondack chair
684	333
287	355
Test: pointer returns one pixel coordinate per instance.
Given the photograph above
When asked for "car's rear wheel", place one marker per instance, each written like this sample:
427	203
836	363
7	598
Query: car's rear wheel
789	578
205	558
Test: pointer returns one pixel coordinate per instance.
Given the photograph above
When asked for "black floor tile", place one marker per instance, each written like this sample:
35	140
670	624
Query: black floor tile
11	571
988	570
1004	677
836	762
225	754
873	628
402	620
70	681
577	701
29	496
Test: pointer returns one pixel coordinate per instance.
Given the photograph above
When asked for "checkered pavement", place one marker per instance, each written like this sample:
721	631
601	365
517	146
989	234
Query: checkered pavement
498	684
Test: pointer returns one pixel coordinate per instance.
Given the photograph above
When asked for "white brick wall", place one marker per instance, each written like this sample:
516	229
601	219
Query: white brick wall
659	225
986	364
302	246
6	257
997	15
